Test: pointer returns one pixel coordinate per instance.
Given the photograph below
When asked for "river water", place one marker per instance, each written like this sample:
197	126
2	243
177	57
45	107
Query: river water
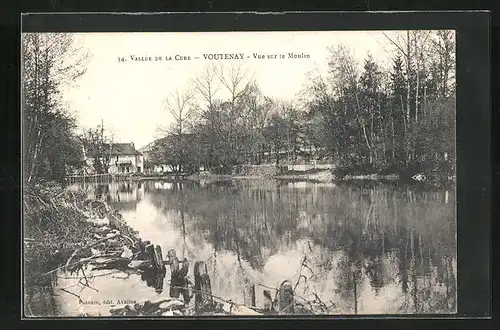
361	248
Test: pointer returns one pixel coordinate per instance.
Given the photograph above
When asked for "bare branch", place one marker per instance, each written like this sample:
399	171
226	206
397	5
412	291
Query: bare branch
395	44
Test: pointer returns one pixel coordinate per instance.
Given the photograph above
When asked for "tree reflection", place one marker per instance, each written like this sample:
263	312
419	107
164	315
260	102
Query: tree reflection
387	235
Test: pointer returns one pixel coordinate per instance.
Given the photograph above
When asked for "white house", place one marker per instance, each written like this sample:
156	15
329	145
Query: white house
124	158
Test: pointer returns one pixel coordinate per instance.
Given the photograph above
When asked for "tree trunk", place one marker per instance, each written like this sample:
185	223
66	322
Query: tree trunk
418	81
408	67
393	136
361	123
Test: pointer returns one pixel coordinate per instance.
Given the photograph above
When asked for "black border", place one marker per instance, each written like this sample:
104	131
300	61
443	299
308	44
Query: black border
473	115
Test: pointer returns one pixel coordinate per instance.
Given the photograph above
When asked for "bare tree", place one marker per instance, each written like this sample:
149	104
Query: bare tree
180	105
235	79
403	45
110	139
207	85
98	145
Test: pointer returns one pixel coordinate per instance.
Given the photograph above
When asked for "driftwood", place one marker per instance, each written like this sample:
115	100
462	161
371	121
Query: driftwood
112	263
68	262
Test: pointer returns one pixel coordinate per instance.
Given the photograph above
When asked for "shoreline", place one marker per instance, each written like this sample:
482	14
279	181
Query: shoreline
322	177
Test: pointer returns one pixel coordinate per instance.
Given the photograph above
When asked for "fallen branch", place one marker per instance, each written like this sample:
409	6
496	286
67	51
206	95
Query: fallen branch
73	264
298	281
88	246
79	298
100	275
86	284
125	236
322	304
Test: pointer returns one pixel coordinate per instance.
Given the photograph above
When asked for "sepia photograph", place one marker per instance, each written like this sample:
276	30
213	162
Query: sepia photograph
181	174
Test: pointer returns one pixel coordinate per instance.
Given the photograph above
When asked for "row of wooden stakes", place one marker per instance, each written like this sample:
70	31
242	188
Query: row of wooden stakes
202	290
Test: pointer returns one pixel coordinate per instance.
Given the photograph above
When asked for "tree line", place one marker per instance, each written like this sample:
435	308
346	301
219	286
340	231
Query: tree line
50	143
362	117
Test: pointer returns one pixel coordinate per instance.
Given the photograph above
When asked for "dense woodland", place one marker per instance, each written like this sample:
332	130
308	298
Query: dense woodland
361	116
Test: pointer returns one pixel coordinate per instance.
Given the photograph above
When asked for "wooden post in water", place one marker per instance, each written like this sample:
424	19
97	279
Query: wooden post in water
174	262
285	298
175	281
185	268
268	301
252	294
203	293
154	273
158	257
183	280
149	249
249	294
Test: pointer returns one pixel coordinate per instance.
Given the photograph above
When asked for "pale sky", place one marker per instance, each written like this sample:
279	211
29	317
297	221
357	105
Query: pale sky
130	96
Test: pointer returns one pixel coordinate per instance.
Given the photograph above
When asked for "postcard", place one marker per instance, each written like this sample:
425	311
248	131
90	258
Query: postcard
245	173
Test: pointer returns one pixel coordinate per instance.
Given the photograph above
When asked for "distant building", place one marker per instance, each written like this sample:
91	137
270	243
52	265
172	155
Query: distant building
124	158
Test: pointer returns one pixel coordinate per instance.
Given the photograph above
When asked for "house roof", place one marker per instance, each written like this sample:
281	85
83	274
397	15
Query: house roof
122	149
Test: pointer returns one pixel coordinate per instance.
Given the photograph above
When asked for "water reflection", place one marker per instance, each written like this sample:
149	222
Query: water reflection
366	249
123	195
154	278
